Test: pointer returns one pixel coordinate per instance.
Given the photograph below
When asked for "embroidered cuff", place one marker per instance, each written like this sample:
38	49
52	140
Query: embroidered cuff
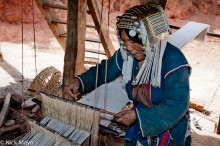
81	86
116	58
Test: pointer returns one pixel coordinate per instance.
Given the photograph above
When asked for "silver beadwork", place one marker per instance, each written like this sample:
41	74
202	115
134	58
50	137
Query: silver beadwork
140	36
133	17
118	18
136	23
138	30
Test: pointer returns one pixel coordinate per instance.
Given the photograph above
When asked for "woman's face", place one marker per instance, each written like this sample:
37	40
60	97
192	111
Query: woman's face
133	48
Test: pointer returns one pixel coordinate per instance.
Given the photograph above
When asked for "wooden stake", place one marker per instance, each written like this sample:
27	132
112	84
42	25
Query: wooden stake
1	55
4	110
217	130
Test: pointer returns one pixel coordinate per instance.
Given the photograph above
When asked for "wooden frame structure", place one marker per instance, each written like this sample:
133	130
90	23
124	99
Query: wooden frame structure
73	39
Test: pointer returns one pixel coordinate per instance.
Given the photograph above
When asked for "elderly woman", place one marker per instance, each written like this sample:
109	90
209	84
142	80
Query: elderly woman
155	75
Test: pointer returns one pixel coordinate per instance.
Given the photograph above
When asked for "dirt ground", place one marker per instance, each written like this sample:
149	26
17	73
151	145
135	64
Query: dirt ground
202	56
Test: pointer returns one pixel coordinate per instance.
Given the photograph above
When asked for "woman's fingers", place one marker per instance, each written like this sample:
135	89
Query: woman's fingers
74	95
126	117
73	89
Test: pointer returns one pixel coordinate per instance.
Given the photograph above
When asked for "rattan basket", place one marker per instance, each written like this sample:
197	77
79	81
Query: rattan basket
49	80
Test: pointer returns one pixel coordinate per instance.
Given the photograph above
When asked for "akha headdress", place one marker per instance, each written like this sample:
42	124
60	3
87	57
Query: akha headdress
149	24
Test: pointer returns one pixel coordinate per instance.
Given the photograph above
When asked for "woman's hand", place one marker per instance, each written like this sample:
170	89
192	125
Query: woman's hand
126	116
73	89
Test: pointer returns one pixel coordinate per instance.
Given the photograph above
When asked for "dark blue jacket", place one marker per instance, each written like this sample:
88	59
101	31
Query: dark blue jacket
170	102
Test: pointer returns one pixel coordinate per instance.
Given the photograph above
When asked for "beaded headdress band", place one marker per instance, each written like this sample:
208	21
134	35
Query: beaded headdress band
153	18
150	25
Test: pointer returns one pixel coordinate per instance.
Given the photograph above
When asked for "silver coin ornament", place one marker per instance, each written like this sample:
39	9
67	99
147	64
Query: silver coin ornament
132	33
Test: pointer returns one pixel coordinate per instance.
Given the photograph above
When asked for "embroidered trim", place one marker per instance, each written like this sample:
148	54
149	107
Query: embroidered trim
117	61
165	139
175	69
81	82
142	131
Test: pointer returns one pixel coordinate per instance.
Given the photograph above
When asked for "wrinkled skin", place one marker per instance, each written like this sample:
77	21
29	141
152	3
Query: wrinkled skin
133	48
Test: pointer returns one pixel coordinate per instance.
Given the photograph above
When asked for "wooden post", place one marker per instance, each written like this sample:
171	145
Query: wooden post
75	40
95	10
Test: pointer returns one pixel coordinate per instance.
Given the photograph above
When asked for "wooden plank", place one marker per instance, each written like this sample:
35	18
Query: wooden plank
95	40
21	126
4	110
75	41
90	25
58	21
175	26
95	51
194	30
64	22
50	16
91	60
196	106
95	9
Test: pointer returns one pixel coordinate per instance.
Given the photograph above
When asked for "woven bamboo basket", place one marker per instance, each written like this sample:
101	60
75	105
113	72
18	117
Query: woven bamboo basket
49	80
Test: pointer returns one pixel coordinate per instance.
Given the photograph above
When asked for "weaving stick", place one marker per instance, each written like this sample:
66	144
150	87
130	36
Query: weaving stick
107	112
66	100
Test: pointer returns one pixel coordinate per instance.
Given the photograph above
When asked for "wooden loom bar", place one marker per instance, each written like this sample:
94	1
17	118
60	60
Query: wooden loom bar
56	6
95	40
64	22
72	102
58	21
47	5
95	51
90	25
212	34
50	15
91	60
95	9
